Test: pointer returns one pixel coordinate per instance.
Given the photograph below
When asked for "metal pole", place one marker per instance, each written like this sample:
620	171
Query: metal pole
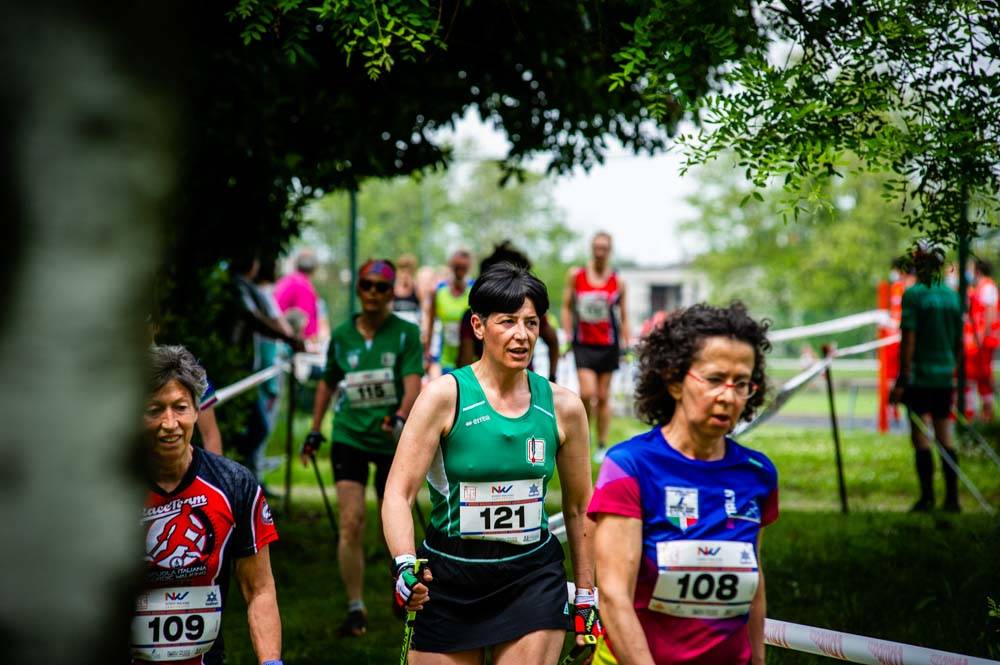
828	351
353	252
289	433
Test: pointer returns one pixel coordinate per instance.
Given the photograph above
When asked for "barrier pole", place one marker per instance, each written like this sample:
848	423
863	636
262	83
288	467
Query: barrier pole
828	351
289	433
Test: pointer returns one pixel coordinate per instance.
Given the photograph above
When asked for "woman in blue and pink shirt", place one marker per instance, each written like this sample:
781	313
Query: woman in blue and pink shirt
680	509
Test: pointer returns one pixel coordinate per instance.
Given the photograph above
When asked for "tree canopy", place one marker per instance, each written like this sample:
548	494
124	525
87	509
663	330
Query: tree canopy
826	265
903	87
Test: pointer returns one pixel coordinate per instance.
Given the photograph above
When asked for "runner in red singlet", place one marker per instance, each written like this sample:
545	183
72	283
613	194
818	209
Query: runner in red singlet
594	318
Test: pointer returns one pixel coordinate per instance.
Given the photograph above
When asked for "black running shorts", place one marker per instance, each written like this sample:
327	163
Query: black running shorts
934	401
601	359
350	463
479	603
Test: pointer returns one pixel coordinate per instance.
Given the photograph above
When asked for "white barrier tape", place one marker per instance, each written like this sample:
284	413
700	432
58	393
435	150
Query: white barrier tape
857	648
875	316
946	456
867	346
225	394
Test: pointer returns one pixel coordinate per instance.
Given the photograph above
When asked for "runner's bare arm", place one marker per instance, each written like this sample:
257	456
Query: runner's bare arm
430	418
758	612
427	335
567	306
324	393
626	340
618	543
257	584
551	339
411	388
208	427
573	460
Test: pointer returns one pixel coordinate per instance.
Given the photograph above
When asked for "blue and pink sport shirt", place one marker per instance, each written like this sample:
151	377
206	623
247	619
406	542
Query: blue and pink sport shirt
681	499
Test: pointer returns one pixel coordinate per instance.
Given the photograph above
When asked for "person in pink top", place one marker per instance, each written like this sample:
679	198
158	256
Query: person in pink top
296	291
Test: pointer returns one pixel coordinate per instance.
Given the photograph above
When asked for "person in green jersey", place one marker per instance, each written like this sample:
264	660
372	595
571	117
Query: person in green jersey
929	351
447	304
488	438
374	365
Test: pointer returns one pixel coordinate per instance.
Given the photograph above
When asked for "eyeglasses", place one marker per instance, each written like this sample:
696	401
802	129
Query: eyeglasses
744	388
368	285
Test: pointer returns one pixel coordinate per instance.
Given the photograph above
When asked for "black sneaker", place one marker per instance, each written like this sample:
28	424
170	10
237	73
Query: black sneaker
355	624
923	506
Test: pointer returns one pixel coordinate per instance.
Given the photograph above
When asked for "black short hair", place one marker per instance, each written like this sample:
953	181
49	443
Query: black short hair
503	287
505	251
984	267
666	354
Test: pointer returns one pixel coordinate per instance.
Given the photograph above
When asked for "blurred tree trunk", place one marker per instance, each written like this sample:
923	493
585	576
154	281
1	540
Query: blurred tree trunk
88	153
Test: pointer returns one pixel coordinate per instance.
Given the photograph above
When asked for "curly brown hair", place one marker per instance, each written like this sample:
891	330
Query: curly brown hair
666	354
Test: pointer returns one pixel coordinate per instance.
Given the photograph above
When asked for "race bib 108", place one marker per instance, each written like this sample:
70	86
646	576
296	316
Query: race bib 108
175	623
509	511
704	579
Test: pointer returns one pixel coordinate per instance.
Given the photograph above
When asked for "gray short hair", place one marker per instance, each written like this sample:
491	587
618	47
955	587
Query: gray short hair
175	363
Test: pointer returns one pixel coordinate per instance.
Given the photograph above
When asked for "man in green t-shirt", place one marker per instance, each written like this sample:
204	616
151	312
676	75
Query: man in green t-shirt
374	365
929	351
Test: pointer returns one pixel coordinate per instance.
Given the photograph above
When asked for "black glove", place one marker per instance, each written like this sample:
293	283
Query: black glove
314	441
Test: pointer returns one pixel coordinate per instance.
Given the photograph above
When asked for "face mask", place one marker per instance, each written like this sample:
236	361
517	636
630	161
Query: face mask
951	280
893	275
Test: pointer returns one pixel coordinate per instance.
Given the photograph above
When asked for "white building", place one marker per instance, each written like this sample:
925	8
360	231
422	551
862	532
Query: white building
653	289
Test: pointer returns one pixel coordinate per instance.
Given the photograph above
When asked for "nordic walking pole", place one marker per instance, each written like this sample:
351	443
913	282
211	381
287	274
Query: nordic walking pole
575	653
326	502
411	617
977	437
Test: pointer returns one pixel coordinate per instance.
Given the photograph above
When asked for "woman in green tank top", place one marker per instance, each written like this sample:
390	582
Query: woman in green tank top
488	439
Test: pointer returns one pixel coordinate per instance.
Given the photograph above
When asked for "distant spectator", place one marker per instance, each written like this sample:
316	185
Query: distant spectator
256	318
929	350
296	291
406	304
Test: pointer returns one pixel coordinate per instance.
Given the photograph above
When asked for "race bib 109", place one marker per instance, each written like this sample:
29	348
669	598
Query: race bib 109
509	511
704	579
371	388
175	623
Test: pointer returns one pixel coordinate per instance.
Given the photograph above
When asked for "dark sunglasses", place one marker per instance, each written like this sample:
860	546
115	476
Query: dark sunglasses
368	285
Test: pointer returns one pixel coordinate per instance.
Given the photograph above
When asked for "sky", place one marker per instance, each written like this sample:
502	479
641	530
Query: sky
638	199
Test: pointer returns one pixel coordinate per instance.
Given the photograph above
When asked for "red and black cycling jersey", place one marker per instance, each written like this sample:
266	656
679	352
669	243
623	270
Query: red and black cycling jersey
217	514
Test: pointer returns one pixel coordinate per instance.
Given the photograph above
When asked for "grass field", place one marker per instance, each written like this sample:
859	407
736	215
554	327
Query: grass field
919	579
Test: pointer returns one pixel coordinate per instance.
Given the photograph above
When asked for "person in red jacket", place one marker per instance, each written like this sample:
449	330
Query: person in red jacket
981	338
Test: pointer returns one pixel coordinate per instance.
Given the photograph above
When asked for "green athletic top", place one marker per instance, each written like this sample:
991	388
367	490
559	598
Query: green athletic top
370	375
933	313
449	308
490	474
